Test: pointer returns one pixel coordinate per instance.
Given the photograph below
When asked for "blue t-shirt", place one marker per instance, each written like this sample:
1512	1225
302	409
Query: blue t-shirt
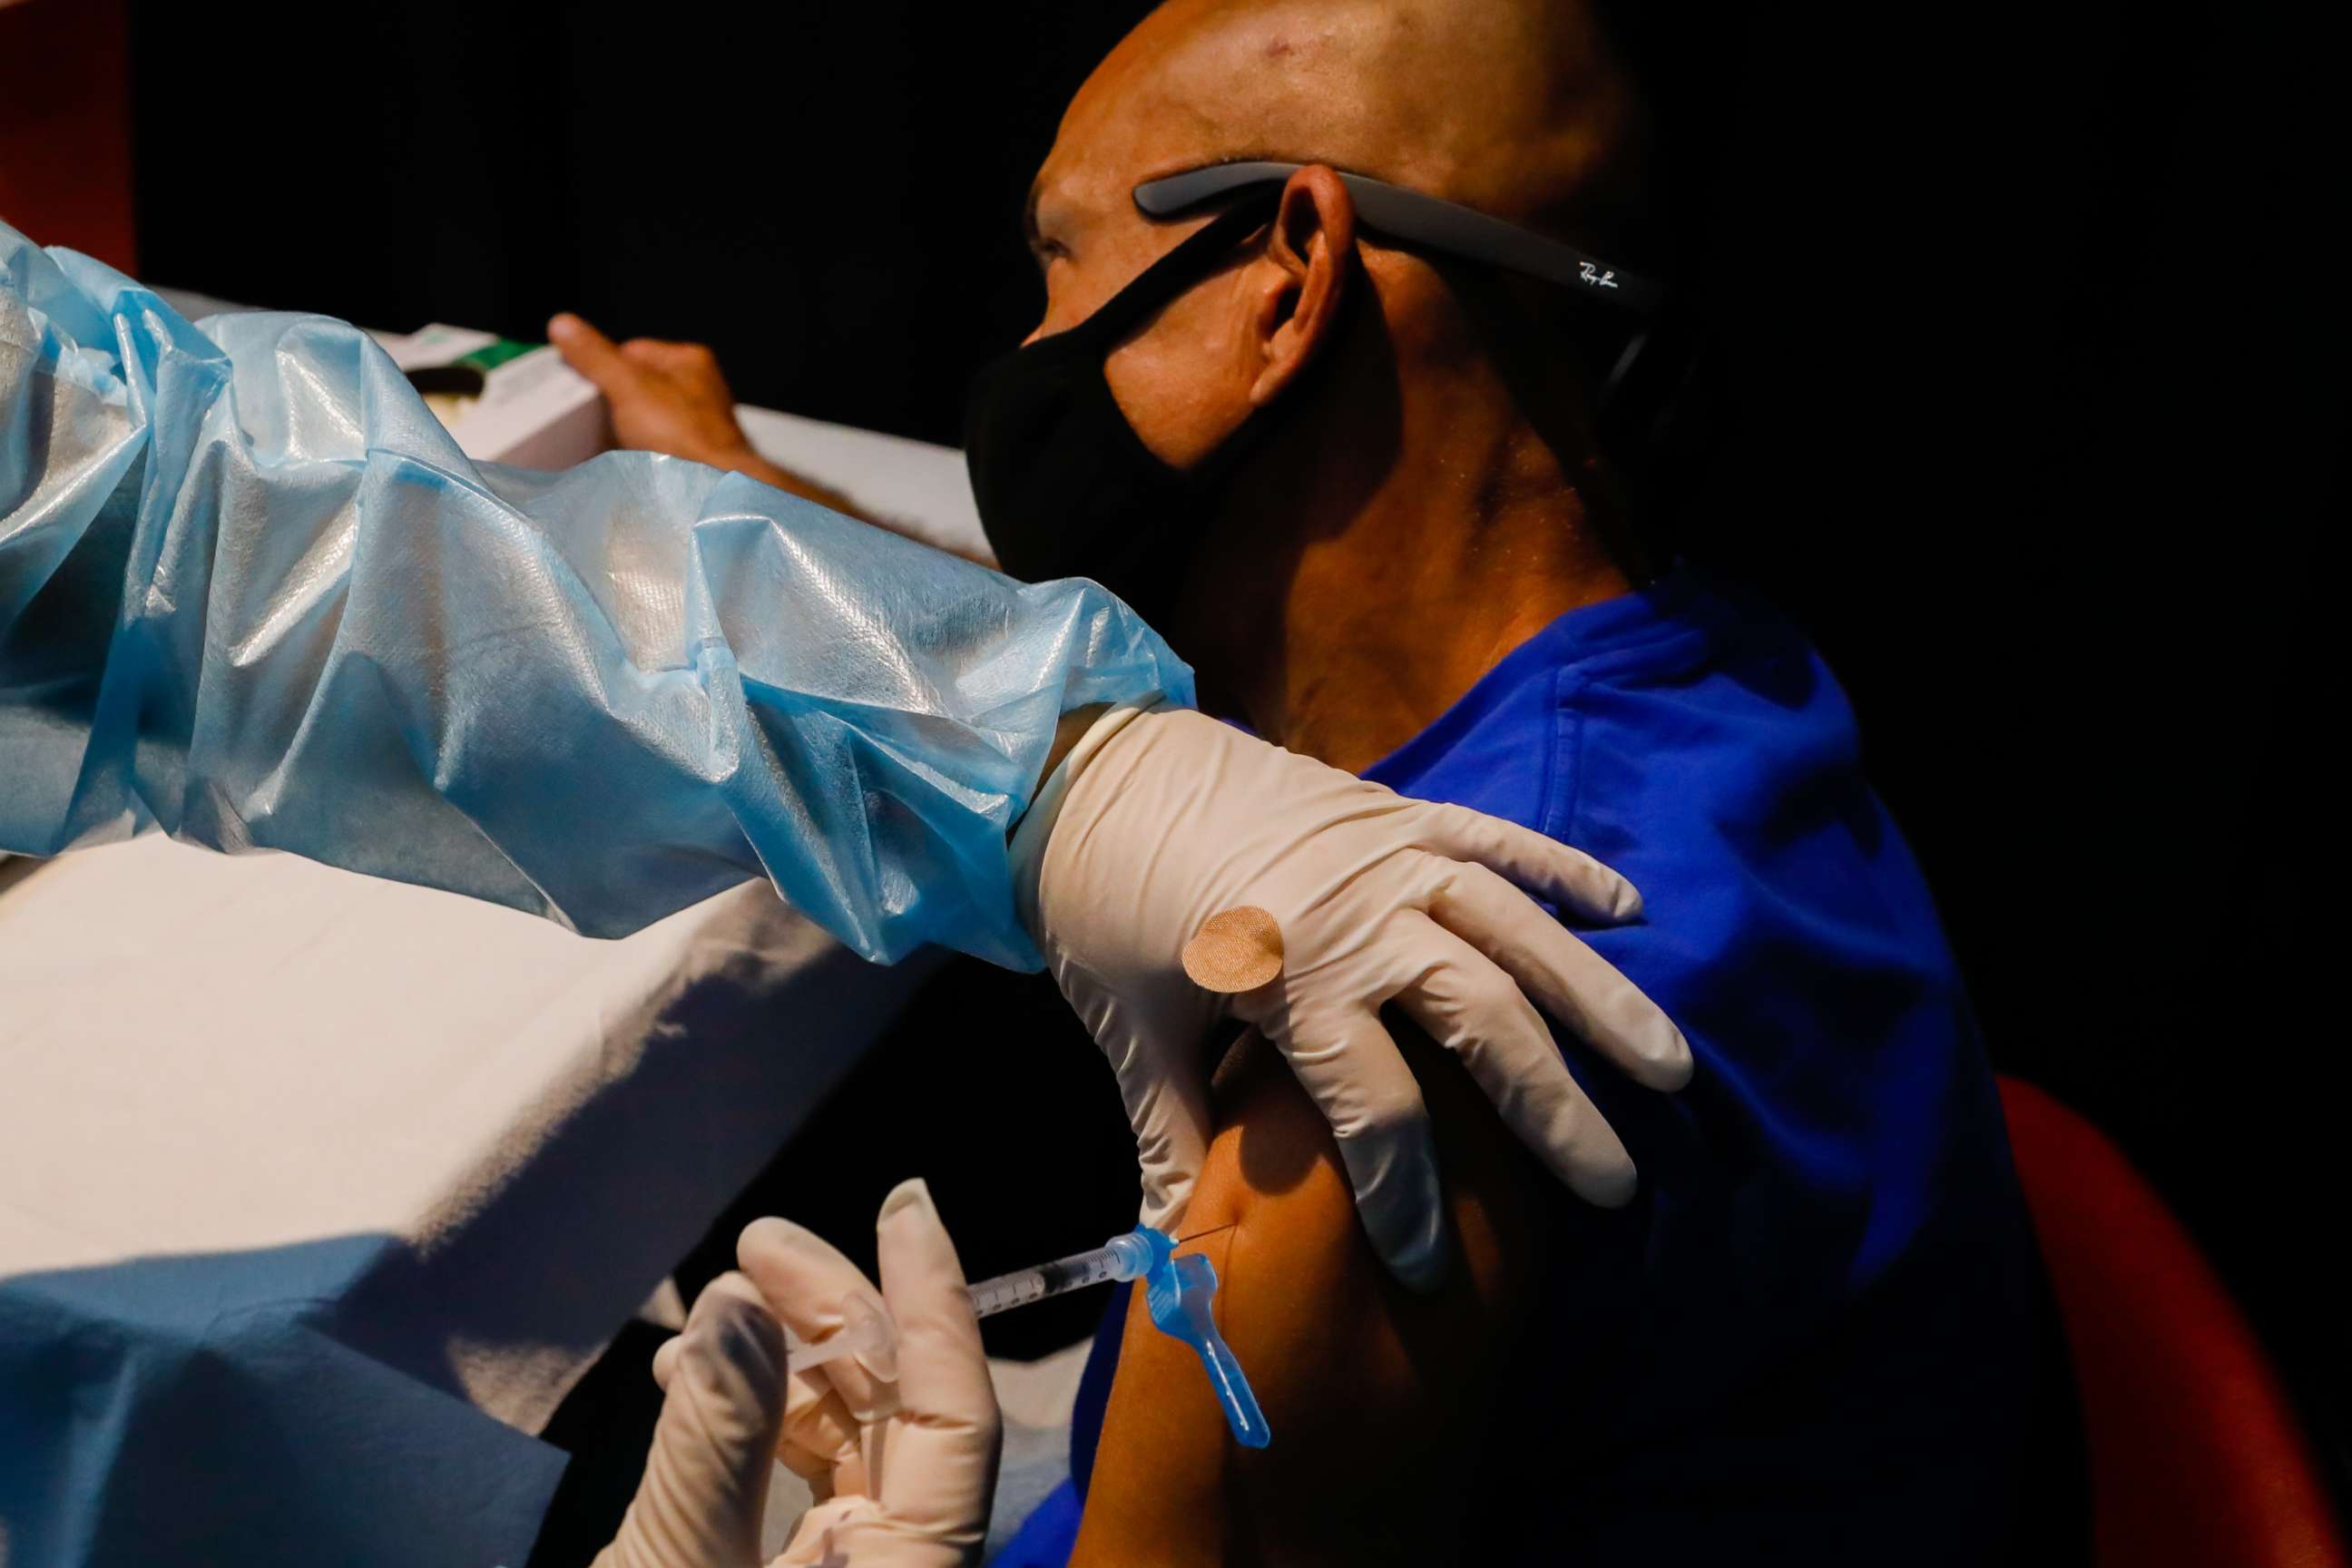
1816	1333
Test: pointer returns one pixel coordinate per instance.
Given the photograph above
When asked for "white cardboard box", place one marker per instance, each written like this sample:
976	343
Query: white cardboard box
536	412
530	410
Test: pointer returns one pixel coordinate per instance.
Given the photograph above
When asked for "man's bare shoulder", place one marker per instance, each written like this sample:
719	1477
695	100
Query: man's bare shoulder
1377	1396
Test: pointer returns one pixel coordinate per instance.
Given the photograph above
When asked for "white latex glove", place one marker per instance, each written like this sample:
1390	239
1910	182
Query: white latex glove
1159	819
714	1449
899	1445
902	1459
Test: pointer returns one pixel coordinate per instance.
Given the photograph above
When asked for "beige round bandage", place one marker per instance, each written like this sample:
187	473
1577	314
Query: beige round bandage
1237	949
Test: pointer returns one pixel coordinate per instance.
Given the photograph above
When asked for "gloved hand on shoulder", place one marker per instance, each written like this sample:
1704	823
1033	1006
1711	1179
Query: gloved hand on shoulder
1176	870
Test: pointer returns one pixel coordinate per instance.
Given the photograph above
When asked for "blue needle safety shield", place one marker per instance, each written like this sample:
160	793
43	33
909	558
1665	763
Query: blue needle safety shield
1178	1292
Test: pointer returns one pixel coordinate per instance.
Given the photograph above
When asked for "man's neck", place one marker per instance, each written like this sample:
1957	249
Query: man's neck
1471	543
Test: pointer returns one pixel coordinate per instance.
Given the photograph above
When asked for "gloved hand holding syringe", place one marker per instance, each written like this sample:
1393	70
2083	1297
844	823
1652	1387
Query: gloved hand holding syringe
1178	1291
880	1400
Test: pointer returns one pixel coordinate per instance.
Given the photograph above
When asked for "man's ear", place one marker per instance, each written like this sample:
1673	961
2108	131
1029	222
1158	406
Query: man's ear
1312	252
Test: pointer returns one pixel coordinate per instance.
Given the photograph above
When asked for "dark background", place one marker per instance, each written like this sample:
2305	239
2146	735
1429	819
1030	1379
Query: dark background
2019	392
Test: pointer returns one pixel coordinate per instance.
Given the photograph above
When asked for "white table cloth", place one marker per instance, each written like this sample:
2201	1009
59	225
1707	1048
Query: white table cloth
317	1193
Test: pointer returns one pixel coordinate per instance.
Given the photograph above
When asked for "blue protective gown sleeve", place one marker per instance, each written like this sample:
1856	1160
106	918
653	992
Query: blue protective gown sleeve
252	593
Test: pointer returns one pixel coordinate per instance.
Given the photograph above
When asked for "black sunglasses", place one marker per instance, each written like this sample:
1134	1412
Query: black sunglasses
1442	226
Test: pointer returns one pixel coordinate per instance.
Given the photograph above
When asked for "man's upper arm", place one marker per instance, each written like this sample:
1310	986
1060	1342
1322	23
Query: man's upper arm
1378	1398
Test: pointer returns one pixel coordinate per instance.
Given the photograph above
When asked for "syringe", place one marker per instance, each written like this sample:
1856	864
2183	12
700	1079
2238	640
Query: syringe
866	1330
1125	1257
1178	1292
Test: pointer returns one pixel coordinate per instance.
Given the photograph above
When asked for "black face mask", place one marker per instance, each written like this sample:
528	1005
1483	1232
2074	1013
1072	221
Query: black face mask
1065	486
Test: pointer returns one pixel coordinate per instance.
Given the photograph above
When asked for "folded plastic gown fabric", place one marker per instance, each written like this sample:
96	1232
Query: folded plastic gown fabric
253	594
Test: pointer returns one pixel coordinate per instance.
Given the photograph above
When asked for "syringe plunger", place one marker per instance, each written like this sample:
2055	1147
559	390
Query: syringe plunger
865	1332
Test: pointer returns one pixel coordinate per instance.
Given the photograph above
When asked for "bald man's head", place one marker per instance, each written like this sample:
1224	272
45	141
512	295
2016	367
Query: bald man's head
1318	369
1518	107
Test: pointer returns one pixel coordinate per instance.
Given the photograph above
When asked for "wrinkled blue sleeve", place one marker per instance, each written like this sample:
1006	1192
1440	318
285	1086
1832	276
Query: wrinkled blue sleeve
252	593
